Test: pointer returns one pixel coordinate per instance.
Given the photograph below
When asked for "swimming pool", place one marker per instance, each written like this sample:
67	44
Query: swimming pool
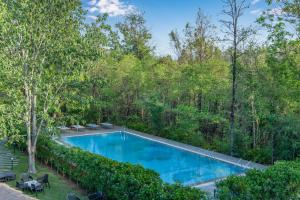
172	163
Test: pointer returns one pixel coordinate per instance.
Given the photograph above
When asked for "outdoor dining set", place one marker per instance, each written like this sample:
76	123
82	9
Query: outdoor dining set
28	183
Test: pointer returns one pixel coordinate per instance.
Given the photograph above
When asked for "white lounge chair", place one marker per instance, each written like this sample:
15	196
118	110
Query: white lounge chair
92	126
106	125
77	127
63	128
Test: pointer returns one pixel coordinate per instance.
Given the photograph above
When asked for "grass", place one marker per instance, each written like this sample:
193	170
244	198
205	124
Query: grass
59	186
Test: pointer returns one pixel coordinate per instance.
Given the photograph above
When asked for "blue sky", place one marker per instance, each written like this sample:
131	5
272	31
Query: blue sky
162	16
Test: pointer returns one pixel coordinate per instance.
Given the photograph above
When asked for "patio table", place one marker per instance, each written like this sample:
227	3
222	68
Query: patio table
28	184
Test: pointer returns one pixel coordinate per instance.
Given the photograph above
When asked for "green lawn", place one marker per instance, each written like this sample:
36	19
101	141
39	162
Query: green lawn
60	187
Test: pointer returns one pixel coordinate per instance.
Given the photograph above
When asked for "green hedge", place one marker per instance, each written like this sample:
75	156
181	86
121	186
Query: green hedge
279	182
117	180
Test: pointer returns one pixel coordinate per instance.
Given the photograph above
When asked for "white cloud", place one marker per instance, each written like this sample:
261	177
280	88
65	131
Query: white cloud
275	11
253	2
256	12
111	7
93	9
92	17
92	2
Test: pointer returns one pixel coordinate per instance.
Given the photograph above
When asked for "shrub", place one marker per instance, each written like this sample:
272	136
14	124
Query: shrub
281	181
118	180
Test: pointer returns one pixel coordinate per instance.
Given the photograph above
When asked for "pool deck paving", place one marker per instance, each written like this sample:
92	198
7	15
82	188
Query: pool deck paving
8	193
207	186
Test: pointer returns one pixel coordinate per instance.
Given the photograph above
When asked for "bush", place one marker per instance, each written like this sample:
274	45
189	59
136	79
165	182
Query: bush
281	181
117	180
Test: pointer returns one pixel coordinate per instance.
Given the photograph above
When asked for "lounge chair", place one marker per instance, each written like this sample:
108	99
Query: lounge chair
97	196
106	125
92	126
77	127
44	180
63	128
72	196
7	176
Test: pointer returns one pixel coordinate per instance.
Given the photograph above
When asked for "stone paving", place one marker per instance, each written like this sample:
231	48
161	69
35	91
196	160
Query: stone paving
8	193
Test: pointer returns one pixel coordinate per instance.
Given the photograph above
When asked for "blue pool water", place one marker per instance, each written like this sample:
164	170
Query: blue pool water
173	164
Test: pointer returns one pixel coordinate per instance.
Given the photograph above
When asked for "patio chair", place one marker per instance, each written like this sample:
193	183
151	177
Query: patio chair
7	176
44	180
36	188
72	196
97	196
21	186
26	177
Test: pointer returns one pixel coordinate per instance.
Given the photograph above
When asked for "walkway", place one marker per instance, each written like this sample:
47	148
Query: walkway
9	193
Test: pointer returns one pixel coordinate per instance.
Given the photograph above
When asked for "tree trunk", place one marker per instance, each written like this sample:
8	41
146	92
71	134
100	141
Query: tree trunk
253	120
142	113
33	136
31	160
233	100
199	102
31	127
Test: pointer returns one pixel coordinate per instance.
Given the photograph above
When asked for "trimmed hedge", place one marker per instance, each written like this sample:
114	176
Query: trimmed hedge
117	180
281	181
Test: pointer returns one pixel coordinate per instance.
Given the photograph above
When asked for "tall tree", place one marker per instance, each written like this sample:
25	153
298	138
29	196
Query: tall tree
42	43
234	9
135	35
198	43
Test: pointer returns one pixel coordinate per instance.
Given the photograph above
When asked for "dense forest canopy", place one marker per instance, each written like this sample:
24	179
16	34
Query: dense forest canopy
64	71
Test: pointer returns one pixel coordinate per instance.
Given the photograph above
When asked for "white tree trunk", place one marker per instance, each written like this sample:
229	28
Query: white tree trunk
31	127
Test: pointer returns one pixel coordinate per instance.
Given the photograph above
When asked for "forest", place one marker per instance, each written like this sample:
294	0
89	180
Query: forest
189	99
242	100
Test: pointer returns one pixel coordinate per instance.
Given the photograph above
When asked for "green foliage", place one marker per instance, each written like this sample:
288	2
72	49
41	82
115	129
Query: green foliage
177	192
89	73
279	182
116	180
136	37
156	114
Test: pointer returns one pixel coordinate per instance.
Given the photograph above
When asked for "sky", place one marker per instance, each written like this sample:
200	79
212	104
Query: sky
163	16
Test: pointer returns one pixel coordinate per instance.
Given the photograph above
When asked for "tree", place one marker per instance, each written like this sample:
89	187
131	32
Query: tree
42	45
135	35
282	57
286	10
234	9
198	44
